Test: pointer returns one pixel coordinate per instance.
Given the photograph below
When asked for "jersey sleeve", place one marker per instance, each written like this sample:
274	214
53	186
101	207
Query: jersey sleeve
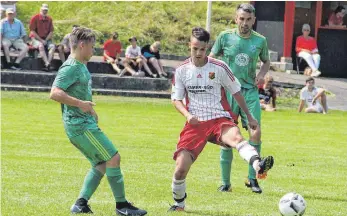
229	81
218	45
178	90
264	53
66	77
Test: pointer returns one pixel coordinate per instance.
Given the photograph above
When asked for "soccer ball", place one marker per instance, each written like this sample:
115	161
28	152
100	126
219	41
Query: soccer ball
292	204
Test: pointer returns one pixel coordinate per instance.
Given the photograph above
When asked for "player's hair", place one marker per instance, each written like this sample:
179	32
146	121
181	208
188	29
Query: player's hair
81	34
246	7
339	9
75	26
201	34
309	79
114	35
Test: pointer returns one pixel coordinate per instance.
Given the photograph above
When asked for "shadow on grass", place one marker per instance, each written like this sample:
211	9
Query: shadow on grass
207	213
326	198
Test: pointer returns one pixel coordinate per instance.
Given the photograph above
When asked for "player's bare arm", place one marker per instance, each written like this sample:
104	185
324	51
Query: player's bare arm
60	96
264	68
253	124
182	109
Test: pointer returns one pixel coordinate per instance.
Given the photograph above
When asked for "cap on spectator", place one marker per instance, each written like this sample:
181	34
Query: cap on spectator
9	11
132	38
44	7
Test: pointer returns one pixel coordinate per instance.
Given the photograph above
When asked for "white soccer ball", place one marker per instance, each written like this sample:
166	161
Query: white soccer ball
292	204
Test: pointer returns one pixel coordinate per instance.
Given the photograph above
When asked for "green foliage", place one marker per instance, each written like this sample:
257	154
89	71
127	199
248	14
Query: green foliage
171	22
42	173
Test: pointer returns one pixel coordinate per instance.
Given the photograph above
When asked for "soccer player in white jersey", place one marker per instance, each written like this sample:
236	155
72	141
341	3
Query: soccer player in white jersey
314	97
203	82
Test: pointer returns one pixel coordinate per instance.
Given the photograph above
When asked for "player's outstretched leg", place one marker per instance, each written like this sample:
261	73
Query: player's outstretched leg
115	180
183	163
233	138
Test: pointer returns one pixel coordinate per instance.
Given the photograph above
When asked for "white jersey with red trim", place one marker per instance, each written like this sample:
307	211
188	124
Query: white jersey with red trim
204	88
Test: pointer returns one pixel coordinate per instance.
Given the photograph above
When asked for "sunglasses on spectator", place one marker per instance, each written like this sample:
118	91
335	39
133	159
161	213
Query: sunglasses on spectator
307	30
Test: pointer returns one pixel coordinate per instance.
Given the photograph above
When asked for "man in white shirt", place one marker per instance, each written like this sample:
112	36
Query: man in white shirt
133	59
203	81
310	94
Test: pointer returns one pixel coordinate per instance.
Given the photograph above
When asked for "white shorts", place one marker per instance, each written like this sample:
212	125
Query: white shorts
317	107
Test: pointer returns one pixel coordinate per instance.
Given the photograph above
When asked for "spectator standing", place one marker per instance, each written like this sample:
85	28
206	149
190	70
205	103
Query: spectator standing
41	31
12	33
306	48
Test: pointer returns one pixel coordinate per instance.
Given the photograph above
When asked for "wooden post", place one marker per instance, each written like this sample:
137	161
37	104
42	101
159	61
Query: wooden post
289	16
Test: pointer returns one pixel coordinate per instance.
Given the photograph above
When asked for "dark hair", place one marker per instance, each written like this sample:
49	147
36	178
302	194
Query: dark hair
81	34
339	9
246	7
309	79
75	26
114	35
201	34
132	38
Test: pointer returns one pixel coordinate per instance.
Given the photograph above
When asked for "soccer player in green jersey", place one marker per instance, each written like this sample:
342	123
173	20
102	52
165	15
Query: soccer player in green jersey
240	48
72	88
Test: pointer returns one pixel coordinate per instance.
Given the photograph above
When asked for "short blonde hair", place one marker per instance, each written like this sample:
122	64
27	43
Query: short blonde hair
269	78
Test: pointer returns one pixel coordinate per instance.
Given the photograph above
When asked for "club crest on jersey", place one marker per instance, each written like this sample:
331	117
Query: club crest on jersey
211	75
199	76
253	48
242	59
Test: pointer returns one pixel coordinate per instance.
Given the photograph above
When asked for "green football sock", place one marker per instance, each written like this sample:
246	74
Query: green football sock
226	157
251	171
115	179
91	183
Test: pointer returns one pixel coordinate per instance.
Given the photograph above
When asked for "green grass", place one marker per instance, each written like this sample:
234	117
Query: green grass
42	172
169	21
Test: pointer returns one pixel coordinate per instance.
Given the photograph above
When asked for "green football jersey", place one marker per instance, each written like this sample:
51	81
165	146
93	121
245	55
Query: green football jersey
241	54
74	78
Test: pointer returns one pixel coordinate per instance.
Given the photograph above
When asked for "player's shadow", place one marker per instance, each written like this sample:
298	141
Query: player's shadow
209	213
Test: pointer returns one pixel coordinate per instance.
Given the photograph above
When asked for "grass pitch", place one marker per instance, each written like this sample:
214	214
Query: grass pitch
42	172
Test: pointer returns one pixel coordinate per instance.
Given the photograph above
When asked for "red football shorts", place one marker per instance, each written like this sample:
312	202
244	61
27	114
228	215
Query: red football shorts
193	138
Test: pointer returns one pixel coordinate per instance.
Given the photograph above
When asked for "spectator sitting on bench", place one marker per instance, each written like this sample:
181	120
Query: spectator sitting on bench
314	98
152	55
112	51
41	29
64	48
133	59
267	93
306	48
12	33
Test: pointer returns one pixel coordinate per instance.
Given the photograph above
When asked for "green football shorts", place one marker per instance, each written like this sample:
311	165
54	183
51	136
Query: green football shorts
252	100
95	146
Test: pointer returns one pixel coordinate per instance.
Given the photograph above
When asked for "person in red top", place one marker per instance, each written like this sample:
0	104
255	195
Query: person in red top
41	32
336	18
112	51
306	48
